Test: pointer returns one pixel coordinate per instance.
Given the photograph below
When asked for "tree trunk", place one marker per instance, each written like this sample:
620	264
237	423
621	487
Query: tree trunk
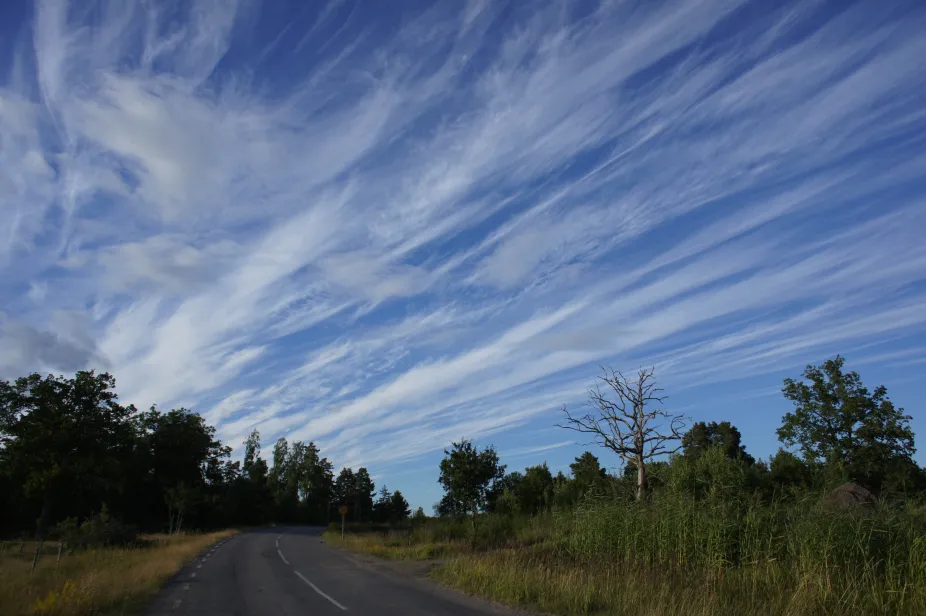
641	480
44	518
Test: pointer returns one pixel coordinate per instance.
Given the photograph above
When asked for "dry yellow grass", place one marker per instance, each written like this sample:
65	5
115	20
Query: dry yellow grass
99	581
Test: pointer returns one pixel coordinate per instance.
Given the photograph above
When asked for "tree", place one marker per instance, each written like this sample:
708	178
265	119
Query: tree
836	418
588	472
344	487
506	485
535	492
382	508
364	491
419	517
703	435
466	474
628	425
398	508
63	436
174	448
256	494
787	471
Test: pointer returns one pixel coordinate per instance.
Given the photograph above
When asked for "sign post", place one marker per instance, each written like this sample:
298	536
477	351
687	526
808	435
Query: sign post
343	511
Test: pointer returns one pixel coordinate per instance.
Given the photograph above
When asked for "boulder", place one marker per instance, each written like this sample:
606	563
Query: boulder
851	496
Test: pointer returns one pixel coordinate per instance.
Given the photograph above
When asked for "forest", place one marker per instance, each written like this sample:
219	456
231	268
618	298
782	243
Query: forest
70	450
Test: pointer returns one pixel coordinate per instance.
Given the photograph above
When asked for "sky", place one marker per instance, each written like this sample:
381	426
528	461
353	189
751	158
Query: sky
386	226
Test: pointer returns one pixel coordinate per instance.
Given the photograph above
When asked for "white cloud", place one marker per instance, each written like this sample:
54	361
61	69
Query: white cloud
401	237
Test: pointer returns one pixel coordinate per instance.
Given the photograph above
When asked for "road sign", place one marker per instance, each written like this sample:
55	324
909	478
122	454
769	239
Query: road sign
342	509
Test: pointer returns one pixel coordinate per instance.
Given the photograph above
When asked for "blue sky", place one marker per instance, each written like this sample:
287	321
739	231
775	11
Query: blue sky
386	226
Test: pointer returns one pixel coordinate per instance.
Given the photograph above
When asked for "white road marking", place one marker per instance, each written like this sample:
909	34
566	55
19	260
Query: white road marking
199	566
282	557
186	587
193	574
177	603
319	591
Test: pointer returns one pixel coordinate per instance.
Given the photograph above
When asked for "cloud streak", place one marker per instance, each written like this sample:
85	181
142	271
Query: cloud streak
383	235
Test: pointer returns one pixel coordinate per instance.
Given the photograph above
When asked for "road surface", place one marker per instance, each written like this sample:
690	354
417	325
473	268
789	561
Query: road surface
291	571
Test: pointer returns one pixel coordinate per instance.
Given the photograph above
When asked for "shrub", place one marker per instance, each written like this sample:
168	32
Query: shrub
100	530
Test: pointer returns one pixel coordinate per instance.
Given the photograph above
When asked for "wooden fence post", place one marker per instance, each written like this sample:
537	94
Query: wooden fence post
22	544
35	559
58	562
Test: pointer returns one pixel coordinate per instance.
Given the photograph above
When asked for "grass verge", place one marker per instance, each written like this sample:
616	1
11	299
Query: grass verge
535	580
96	581
392	545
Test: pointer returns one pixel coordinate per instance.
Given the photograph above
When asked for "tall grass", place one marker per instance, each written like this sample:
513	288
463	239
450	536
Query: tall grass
679	554
95	581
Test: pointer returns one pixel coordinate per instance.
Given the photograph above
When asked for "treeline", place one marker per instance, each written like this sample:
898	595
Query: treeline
71	454
837	433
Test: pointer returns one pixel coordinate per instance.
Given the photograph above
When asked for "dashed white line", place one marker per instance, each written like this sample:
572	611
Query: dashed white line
177	603
192	575
282	557
319	591
199	566
186	587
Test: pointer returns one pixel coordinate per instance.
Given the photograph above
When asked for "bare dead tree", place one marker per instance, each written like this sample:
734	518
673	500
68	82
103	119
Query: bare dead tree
630	422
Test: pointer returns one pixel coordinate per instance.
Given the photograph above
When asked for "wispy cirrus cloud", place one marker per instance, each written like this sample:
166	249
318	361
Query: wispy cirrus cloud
383	231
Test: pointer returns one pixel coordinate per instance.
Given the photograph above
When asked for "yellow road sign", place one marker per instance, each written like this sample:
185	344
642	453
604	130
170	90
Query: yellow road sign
342	509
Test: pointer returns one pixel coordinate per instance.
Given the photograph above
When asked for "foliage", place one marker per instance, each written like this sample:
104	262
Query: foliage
62	435
67	446
467	474
835	417
703	435
100	530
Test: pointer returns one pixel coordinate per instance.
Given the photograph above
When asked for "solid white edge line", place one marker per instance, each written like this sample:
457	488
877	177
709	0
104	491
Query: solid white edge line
282	557
319	591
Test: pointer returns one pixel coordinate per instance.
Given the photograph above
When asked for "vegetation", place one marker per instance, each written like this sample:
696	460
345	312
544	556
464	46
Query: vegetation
715	532
693	524
95	580
70	452
81	469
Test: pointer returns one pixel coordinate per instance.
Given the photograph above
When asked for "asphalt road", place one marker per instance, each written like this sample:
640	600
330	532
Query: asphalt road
291	571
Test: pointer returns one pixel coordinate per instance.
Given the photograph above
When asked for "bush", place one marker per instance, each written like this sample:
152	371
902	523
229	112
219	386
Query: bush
101	530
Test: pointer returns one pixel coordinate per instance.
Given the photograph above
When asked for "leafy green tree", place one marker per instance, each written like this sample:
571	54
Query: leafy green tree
344	487
466	474
835	417
535	492
724	435
315	482
175	447
256	493
507	484
281	480
62	437
787	472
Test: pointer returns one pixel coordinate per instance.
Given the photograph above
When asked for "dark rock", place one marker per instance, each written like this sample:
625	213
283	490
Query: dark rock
852	497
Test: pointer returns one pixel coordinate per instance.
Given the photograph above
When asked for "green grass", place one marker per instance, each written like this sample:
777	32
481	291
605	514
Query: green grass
95	581
676	555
